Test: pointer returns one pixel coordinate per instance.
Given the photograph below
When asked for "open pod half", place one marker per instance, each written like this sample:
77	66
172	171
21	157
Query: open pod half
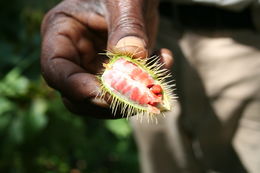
137	86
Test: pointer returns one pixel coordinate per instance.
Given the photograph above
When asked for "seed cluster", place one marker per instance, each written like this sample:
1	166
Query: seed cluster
136	86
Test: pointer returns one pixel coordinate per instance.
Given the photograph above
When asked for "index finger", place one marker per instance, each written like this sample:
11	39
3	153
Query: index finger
60	63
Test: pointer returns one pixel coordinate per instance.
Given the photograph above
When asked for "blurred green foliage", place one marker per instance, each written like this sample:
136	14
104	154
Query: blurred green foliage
37	134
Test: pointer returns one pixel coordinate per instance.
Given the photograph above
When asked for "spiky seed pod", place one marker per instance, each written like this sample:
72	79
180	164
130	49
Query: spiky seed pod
136	86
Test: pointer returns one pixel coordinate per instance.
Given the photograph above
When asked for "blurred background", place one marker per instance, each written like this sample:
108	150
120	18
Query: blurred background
37	134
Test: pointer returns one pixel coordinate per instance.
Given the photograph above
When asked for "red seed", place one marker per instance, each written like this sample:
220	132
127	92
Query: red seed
135	72
134	83
135	94
121	84
159	95
153	103
126	89
156	89
150	86
143	99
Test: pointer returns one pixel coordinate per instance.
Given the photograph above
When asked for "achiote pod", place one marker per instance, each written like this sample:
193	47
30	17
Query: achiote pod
136	86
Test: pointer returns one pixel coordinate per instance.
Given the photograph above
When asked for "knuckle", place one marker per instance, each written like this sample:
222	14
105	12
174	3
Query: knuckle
129	24
52	15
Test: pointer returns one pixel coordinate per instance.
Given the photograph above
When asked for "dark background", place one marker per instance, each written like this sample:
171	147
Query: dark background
37	134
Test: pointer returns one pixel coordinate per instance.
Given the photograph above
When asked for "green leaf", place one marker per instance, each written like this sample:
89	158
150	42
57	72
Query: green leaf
5	105
14	84
119	127
16	133
4	121
36	119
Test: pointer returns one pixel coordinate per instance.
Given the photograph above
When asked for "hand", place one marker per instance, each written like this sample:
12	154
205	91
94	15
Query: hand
76	31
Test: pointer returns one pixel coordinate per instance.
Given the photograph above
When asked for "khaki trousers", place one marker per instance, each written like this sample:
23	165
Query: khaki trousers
215	123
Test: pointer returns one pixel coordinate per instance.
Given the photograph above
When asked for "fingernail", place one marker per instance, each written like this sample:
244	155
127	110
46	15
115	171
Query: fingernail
167	57
132	45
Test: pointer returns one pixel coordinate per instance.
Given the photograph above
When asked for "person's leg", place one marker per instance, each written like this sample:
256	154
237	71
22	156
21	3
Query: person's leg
228	134
154	146
165	147
219	107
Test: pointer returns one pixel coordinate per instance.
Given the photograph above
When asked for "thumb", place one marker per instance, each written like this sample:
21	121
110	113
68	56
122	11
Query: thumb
126	27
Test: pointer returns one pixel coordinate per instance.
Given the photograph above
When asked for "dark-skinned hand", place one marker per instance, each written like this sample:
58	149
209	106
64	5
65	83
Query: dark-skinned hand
76	31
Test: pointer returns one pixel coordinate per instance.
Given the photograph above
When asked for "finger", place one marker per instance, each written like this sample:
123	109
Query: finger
86	108
70	79
61	67
166	58
126	27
